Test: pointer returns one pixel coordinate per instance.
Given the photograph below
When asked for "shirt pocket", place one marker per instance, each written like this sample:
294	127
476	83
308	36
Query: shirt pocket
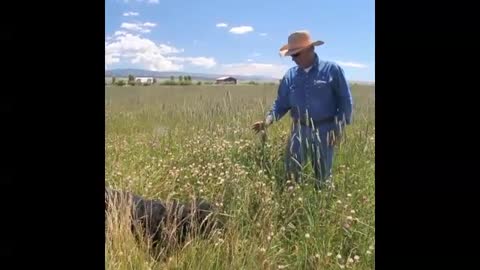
323	84
322	90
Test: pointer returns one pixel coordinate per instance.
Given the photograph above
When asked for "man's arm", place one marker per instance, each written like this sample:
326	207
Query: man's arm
281	105
343	95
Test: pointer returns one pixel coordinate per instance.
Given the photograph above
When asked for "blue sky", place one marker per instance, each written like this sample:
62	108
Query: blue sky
237	37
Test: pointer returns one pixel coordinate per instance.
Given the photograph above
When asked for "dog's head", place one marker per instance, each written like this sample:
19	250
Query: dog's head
196	216
204	215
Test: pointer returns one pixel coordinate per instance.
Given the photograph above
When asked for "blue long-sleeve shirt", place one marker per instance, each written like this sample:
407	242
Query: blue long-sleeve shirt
323	92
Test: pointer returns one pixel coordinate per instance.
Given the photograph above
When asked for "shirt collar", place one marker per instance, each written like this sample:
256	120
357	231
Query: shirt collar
316	63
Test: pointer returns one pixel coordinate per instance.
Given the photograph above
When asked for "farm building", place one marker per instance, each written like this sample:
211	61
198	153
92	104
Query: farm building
148	80
226	80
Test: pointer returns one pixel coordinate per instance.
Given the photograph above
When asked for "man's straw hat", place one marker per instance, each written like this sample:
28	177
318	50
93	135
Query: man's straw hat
298	41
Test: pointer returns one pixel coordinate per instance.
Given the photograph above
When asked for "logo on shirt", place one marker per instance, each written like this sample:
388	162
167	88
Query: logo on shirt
319	82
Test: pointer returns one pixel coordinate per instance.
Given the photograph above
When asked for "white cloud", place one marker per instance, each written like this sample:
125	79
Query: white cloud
111	59
140	51
165	49
156	62
351	64
138	27
130	13
263	34
144	52
149	24
255	54
120	33
206	62
148	1
241	30
222	25
131	26
262	69
249	60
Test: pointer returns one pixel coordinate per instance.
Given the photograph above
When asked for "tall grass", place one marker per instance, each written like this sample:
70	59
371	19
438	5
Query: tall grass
179	142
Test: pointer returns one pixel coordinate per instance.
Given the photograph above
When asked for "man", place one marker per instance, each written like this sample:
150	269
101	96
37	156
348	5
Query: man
320	103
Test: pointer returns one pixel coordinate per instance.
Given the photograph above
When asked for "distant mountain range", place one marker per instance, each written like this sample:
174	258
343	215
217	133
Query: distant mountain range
168	74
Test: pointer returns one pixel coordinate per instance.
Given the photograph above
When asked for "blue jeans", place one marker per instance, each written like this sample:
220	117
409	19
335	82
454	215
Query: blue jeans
309	143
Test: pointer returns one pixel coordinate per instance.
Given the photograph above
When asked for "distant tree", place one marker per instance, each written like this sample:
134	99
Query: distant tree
131	78
186	80
189	78
172	78
199	83
154	81
180	78
113	80
121	83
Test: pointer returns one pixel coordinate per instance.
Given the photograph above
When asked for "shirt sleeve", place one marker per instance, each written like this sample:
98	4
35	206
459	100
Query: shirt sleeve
281	105
343	95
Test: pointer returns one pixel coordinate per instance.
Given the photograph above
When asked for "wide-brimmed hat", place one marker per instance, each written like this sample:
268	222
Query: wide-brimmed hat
298	41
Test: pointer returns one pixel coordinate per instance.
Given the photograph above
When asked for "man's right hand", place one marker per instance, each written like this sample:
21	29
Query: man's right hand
259	126
262	125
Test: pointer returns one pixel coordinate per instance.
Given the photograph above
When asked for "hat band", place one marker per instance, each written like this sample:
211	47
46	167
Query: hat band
299	45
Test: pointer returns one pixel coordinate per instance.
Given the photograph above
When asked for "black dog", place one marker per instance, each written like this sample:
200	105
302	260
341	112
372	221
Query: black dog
154	216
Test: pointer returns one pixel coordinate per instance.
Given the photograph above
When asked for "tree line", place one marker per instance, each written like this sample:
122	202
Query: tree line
182	80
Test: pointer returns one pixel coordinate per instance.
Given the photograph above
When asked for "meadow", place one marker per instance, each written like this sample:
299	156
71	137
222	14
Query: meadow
183	141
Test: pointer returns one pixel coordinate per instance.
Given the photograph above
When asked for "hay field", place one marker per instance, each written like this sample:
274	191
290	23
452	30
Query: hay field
178	142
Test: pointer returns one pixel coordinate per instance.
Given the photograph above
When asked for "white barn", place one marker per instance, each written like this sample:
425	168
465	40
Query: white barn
142	80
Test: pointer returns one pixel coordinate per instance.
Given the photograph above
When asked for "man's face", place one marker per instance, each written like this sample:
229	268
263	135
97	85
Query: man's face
303	58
